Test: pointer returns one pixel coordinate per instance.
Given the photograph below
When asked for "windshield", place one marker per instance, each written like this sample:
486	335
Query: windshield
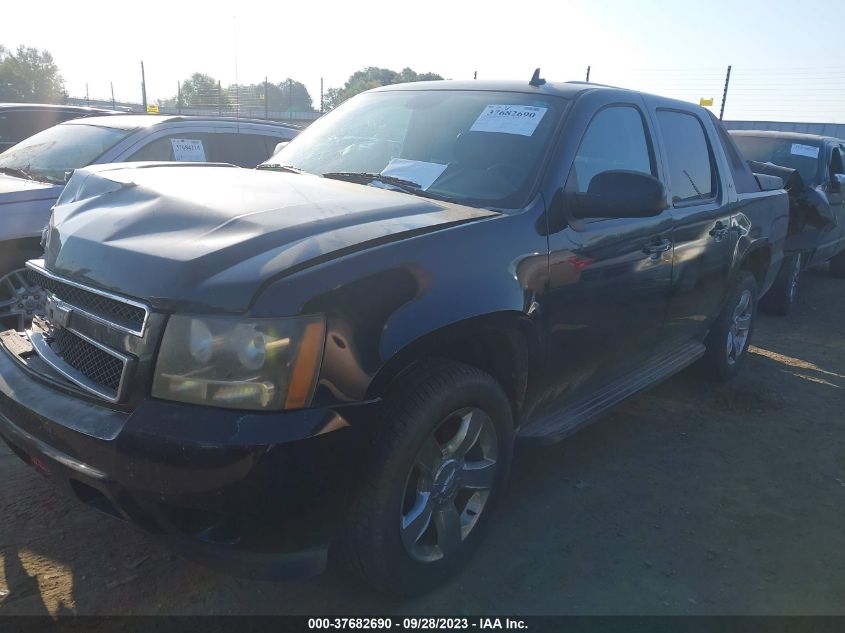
49	154
473	147
801	155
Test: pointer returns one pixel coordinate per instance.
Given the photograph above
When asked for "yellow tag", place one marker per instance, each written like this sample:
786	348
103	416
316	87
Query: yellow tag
705	102
153	109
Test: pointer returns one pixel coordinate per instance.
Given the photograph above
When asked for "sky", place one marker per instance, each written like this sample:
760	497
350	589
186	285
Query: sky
784	65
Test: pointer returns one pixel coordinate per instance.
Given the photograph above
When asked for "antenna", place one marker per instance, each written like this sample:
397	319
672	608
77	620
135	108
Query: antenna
536	80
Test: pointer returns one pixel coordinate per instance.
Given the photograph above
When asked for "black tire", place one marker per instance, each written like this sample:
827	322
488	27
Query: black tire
837	265
781	296
721	361
371	546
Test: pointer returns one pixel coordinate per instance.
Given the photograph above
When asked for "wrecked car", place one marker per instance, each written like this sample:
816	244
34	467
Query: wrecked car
814	172
330	358
33	174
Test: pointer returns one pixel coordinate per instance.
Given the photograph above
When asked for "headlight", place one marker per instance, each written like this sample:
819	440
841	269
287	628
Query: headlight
263	364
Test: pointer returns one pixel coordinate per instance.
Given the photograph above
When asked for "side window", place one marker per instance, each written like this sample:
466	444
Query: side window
692	174
243	150
836	163
17	126
616	139
179	146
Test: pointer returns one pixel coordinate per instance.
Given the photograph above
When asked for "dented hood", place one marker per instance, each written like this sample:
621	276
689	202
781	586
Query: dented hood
208	236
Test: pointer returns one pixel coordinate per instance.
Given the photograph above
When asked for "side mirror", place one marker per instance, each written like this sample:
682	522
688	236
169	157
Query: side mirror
837	183
619	194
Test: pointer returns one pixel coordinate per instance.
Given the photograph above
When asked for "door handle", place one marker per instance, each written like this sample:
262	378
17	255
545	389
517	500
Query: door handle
657	248
719	231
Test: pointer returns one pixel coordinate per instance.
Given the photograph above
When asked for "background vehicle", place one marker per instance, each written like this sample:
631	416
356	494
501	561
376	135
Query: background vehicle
264	366
33	172
21	120
812	239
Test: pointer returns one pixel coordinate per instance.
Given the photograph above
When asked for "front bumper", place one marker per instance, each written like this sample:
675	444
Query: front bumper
256	494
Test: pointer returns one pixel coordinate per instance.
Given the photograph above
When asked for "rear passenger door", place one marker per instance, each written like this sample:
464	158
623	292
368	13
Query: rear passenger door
701	232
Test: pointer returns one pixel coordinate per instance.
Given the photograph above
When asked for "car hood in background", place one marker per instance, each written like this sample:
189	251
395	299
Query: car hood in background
25	206
208	237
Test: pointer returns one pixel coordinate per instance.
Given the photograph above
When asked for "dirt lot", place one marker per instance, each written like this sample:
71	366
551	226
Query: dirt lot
693	498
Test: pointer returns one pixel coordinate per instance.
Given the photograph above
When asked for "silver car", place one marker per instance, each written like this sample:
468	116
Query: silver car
33	174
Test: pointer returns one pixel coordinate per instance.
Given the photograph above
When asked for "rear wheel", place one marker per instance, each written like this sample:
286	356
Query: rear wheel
730	337
440	462
781	296
837	265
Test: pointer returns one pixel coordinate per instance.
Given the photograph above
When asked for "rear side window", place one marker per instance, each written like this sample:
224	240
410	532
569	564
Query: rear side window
243	150
691	167
615	140
744	180
179	146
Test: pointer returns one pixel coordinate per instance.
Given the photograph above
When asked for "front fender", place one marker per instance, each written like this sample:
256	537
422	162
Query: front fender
380	301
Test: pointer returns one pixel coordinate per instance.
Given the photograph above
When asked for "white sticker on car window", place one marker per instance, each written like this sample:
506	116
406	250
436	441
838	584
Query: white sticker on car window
810	151
509	119
420	172
188	149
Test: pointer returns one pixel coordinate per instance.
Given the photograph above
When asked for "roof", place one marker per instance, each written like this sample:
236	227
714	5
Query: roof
137	121
564	89
795	136
53	106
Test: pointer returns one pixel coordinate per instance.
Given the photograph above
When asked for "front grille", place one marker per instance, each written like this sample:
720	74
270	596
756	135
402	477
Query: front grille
92	362
125	315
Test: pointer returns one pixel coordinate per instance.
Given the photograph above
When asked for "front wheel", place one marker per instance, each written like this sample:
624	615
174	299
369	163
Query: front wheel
730	337
441	458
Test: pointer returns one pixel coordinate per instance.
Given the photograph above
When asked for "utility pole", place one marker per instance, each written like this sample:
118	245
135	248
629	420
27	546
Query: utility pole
290	96
588	74
143	88
725	93
87	100
111	83
322	101
219	99
179	97
266	99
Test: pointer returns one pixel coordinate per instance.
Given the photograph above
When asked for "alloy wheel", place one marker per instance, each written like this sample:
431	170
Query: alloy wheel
793	278
449	485
20	299
740	326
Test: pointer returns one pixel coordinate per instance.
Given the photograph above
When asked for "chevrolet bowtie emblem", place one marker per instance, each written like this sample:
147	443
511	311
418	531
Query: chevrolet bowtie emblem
57	312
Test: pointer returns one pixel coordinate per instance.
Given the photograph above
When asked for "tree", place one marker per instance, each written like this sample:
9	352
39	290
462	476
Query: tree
30	75
199	91
288	96
372	77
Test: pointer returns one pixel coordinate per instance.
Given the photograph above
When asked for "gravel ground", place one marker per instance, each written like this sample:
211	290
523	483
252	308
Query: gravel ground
692	498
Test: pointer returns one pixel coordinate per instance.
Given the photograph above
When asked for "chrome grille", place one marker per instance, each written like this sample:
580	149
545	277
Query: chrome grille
97	365
113	310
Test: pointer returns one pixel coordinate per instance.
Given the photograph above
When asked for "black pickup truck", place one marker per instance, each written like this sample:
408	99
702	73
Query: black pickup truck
336	353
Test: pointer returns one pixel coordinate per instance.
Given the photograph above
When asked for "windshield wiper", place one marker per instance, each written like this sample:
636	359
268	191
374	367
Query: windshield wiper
366	177
16	172
277	167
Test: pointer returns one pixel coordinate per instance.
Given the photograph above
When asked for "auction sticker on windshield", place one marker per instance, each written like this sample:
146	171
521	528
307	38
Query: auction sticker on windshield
810	151
188	149
509	119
